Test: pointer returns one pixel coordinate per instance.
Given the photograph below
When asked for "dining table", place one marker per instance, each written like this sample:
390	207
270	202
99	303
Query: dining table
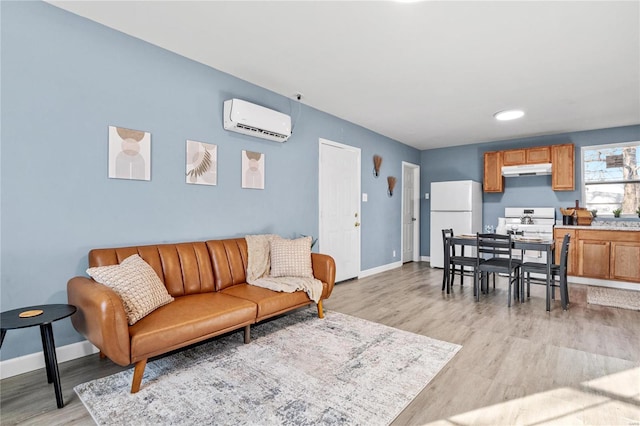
518	242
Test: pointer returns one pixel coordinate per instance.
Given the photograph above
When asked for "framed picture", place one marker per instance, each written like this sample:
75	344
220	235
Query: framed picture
129	154
202	163
252	170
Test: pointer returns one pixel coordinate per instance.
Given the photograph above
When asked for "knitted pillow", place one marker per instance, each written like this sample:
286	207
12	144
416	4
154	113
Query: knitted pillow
291	258
136	283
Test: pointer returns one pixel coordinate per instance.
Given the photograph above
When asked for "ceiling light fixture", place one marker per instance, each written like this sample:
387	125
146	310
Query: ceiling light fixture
509	114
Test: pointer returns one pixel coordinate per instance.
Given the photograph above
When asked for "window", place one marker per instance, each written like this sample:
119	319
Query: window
610	178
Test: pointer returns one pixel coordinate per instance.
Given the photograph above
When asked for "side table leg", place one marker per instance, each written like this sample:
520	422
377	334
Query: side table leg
47	362
51	359
2	337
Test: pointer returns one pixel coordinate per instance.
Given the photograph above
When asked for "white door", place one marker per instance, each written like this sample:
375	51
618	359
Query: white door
410	213
339	191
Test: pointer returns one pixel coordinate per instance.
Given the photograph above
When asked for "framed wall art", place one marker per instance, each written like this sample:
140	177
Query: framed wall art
202	163
129	154
252	170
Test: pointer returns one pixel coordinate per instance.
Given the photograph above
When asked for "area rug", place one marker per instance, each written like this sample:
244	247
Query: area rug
626	299
298	369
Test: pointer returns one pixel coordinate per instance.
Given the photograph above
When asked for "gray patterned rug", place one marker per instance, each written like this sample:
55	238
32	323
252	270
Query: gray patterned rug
298	369
605	296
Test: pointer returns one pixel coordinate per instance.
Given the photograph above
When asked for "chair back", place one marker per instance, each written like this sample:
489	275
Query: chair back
564	254
449	249
492	245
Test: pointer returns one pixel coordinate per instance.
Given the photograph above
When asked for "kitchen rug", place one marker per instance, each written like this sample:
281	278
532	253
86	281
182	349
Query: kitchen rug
298	369
605	296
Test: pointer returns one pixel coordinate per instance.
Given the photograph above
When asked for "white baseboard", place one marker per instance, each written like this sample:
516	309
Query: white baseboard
425	258
624	285
24	364
378	269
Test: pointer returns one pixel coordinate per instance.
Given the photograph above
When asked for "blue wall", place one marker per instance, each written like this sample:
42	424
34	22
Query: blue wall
65	79
466	162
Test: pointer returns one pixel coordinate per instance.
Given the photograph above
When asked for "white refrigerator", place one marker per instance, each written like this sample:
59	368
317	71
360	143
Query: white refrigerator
456	205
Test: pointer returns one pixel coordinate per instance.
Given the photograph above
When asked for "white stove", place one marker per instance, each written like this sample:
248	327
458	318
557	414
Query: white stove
531	222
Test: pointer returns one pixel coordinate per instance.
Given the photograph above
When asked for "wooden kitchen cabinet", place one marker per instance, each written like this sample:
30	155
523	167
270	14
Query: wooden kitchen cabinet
493	180
538	155
560	156
563	171
514	157
625	261
518	157
603	254
593	258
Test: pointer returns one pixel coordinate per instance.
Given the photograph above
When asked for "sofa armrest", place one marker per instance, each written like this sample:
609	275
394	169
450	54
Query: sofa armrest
100	318
324	269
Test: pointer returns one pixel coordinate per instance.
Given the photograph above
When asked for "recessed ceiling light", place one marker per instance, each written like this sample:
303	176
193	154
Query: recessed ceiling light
510	114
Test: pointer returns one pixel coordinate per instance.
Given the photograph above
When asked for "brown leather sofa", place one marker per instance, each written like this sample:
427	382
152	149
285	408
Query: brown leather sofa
207	280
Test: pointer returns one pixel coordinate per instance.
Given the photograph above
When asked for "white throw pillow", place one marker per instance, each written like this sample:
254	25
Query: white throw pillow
291	258
136	283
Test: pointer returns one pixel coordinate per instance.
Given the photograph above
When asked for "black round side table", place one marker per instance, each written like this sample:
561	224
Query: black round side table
44	316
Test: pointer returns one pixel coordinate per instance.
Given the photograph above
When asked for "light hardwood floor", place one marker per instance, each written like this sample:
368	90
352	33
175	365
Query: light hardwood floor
518	365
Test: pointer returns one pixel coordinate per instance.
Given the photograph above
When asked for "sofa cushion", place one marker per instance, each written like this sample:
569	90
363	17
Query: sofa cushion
269	302
189	319
136	283
291	258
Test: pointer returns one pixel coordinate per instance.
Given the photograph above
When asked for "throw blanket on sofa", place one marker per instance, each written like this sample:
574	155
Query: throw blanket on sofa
259	267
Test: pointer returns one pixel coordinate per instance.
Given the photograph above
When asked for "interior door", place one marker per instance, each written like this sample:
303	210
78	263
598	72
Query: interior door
409	215
339	191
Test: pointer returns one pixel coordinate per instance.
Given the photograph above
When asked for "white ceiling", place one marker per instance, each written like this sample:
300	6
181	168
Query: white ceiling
428	74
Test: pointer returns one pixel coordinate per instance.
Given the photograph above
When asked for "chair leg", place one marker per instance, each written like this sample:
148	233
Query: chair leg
564	295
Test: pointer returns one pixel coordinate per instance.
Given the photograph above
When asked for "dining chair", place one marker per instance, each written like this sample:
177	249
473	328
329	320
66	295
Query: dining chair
453	261
446	234
494	254
557	270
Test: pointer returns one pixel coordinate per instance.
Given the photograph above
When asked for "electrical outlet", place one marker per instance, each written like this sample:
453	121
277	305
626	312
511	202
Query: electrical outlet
394	253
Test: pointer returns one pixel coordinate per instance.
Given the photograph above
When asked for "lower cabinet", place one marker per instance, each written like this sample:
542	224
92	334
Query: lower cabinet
593	258
603	254
625	261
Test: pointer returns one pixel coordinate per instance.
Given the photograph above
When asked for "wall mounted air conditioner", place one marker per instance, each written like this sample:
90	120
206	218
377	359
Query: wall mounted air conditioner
254	120
527	170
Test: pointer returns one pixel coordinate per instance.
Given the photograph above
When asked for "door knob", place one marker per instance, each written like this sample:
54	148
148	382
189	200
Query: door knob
357	224
413	219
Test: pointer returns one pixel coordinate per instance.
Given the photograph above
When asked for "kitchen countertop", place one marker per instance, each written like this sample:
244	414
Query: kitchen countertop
601	227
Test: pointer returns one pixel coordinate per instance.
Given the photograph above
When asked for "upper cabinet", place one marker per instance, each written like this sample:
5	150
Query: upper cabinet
563	172
514	157
518	157
561	156
493	180
540	154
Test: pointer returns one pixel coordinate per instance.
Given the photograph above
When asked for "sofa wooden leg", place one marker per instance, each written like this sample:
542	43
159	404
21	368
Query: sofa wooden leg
102	355
247	334
320	310
138	372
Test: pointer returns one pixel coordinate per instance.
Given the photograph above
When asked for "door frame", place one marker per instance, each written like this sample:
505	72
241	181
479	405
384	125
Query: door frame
416	211
358	151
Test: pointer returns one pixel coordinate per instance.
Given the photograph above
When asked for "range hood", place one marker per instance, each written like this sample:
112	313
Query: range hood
527	170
